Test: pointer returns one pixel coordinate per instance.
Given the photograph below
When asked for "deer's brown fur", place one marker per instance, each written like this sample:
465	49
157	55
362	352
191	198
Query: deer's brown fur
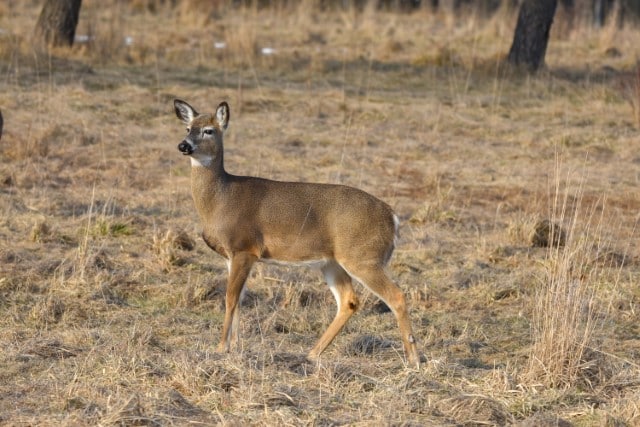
348	233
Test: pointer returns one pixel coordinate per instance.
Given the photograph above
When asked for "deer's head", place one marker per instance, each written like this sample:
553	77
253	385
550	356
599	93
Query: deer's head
204	132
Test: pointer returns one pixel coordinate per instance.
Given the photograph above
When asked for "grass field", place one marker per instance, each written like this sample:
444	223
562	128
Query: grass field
111	304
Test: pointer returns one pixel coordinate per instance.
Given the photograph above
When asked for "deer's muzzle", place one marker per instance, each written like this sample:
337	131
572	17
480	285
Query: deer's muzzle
185	148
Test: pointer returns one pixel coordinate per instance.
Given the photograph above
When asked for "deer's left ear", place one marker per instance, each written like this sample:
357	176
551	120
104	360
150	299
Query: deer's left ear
222	115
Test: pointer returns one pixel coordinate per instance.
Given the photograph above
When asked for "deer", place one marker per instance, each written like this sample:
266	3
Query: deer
346	232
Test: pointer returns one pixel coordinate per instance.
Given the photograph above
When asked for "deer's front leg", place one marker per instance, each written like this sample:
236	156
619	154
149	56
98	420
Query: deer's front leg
239	269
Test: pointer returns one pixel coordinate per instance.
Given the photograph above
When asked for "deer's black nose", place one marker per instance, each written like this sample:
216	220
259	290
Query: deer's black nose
185	148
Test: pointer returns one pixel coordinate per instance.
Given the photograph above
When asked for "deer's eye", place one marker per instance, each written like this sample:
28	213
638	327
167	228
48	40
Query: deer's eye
209	131
188	130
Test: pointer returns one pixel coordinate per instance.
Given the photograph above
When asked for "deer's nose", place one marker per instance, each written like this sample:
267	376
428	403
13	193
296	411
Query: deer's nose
185	148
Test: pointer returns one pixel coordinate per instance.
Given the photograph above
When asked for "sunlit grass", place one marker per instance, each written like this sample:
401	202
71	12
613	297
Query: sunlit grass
112	305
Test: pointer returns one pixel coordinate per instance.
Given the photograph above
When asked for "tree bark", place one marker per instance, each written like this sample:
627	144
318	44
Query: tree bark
532	33
57	22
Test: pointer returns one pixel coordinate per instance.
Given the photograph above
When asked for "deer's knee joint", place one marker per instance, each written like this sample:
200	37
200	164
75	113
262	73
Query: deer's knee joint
353	303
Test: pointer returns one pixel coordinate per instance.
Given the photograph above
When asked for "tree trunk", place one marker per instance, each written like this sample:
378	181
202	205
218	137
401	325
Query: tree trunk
532	33
57	22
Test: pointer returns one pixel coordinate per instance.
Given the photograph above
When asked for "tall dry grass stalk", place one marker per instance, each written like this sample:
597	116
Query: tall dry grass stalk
564	318
633	92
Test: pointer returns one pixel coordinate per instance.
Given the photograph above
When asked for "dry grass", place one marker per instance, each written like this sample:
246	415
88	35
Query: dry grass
566	317
111	305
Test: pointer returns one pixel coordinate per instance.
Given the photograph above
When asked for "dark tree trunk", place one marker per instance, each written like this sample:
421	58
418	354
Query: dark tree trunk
532	33
57	22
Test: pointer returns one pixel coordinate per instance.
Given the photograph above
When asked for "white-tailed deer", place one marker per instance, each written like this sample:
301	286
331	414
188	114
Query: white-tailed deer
348	233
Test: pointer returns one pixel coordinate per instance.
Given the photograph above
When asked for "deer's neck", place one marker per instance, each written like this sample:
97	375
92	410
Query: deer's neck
208	181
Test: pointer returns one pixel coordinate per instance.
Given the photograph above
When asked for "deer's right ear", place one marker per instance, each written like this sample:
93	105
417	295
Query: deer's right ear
184	111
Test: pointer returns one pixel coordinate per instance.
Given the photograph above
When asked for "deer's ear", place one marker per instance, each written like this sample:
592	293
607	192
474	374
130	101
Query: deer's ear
222	115
184	111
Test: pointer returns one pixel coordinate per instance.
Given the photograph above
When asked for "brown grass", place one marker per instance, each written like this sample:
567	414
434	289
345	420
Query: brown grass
111	305
566	315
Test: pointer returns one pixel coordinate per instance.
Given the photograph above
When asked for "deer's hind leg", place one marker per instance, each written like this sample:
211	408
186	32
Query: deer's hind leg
374	277
339	282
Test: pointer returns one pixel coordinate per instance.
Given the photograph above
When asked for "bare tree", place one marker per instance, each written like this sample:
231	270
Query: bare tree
532	33
57	22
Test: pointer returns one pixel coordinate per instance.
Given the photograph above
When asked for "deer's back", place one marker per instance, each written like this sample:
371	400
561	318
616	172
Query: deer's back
293	221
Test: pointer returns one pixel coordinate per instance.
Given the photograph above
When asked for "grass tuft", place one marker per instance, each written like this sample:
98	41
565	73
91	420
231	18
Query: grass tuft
565	315
169	246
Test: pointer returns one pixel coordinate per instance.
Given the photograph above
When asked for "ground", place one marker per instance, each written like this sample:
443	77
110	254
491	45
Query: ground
111	305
